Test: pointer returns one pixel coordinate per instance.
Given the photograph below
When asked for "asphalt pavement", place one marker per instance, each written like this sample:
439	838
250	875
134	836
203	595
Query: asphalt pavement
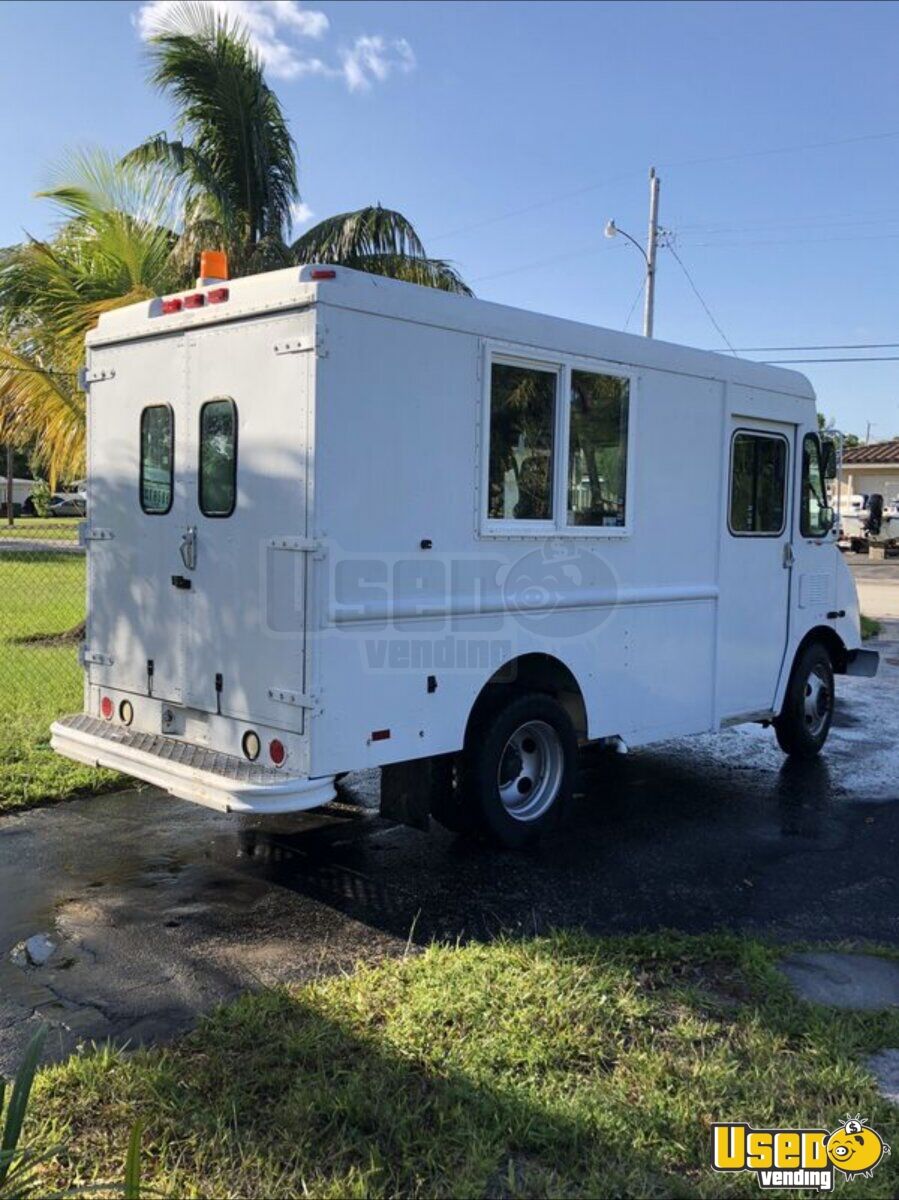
154	910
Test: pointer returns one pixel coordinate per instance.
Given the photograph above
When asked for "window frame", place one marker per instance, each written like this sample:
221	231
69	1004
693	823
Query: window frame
803	531
561	365
217	516
771	434
156	512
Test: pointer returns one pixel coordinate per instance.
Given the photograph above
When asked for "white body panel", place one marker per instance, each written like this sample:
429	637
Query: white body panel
358	600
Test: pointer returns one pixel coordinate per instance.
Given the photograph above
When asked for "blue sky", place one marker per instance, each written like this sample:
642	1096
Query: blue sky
509	133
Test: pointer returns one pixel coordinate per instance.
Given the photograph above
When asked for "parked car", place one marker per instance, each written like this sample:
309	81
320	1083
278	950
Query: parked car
70	504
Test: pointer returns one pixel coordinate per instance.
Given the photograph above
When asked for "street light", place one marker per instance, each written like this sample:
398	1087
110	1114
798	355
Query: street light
649	254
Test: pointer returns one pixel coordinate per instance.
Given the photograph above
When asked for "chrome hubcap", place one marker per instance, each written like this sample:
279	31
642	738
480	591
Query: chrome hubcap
816	702
530	771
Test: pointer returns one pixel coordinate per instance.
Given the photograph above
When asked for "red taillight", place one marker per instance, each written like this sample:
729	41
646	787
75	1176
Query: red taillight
107	708
194	300
217	295
276	752
171	306
324	274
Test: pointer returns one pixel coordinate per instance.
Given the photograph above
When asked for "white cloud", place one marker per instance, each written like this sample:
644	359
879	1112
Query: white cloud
374	58
274	28
300	214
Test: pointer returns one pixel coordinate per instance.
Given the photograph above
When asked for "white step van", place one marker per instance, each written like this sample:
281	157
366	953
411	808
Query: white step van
337	522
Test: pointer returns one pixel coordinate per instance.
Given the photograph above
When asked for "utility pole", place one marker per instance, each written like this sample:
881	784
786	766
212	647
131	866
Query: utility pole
651	242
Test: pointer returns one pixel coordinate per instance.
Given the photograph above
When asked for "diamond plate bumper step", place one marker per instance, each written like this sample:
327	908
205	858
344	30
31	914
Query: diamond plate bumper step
221	781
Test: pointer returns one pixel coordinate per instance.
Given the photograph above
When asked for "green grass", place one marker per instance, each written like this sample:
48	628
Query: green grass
60	528
562	1066
39	594
870	627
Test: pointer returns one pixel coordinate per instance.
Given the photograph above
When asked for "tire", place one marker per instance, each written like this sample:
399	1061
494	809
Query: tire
518	768
805	720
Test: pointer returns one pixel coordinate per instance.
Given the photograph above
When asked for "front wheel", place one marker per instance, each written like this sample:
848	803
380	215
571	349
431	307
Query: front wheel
519	767
805	720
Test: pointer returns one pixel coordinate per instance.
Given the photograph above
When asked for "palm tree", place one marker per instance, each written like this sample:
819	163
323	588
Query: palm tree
380	241
235	158
114	248
236	161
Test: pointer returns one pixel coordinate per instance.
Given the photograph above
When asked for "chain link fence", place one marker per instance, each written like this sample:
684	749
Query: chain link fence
42	606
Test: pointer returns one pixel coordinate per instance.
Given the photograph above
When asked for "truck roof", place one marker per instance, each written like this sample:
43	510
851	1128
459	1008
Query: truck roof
295	287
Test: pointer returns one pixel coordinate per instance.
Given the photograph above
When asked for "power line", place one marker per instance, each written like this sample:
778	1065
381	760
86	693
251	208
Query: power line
630	311
691	162
871	358
834	346
698	295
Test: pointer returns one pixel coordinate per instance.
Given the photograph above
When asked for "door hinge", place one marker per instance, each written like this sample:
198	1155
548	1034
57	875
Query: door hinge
300	345
86	377
303	545
87	533
86	656
297	699
789	557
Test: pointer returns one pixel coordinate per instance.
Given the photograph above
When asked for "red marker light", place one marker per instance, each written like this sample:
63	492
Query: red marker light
194	300
217	295
276	751
107	708
380	735
171	306
324	274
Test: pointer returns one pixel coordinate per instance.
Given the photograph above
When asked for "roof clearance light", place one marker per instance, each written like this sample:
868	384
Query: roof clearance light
171	306
194	300
324	274
217	295
213	264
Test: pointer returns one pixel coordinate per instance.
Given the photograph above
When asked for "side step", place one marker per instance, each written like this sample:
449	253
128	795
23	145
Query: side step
192	772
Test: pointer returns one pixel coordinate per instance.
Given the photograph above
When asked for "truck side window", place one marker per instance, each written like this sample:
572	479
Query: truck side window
522	420
812	520
157	458
758	484
597	452
218	458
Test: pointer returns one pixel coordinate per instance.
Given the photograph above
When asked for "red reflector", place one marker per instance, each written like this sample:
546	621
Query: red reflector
217	295
324	274
107	708
194	300
170	306
276	751
380	735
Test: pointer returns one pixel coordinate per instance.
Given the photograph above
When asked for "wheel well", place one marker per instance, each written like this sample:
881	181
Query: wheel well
535	673
831	641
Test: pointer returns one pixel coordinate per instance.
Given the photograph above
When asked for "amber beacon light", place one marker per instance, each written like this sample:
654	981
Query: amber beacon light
213	267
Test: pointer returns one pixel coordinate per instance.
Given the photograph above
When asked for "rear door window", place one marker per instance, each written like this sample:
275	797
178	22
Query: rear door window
157	459
218	458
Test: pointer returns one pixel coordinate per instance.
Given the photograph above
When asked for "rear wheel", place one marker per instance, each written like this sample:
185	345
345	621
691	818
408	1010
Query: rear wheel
517	770
805	720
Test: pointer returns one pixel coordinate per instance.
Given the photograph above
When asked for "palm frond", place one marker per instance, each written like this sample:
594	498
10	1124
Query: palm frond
241	151
354	235
380	241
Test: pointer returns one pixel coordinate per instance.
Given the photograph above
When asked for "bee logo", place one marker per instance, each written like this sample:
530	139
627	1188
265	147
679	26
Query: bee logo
854	1149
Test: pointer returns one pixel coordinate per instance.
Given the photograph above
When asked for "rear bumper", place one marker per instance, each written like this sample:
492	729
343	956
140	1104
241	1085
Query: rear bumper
191	772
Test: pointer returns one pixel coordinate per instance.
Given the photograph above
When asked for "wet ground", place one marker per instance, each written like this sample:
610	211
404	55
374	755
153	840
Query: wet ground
156	910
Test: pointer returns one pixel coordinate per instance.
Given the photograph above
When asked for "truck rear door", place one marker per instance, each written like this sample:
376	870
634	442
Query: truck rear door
197	525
